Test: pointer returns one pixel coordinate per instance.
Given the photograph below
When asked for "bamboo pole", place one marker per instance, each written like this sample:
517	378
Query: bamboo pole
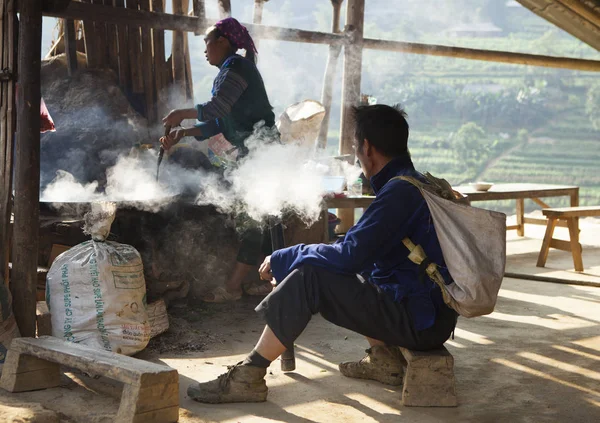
485	55
7	127
355	14
257	16
89	36
189	82
27	169
178	54
123	51
135	56
224	8
70	45
148	67
329	78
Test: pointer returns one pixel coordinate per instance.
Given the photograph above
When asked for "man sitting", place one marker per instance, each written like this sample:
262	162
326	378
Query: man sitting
397	304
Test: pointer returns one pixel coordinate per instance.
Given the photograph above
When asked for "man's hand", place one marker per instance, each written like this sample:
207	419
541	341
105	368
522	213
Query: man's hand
265	270
173	138
174	118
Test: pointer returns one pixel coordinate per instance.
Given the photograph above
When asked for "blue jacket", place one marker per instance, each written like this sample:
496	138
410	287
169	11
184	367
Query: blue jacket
374	245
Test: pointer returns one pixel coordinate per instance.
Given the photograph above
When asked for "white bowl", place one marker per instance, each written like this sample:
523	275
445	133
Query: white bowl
481	186
333	184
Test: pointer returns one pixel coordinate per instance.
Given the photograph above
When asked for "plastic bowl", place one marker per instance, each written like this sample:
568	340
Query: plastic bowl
481	186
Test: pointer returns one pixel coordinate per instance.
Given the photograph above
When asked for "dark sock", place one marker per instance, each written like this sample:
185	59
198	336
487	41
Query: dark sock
256	360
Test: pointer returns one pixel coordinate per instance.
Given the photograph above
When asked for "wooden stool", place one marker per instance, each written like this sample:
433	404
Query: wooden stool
571	215
150	391
429	379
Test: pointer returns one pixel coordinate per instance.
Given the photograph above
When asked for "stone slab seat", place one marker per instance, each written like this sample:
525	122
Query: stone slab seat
571	215
150	391
429	378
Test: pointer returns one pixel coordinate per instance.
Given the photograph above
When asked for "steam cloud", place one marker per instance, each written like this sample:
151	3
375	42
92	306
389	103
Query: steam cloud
271	179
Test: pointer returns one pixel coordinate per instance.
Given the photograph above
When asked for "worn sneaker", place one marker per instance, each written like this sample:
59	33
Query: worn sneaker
383	364
239	384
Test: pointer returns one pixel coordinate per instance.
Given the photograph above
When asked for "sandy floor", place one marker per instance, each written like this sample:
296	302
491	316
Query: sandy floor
535	359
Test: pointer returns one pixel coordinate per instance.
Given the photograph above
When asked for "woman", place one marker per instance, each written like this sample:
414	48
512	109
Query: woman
239	103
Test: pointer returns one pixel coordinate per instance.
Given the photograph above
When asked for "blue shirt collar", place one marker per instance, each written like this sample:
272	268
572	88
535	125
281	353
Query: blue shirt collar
397	166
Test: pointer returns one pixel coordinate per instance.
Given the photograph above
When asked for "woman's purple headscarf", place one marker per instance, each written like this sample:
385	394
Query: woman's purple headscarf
237	34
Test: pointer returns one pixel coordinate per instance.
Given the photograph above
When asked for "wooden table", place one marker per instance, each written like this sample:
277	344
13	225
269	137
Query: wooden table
361	202
520	192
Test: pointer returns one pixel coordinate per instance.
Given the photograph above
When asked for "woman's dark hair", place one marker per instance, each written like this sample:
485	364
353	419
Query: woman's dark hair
384	126
216	32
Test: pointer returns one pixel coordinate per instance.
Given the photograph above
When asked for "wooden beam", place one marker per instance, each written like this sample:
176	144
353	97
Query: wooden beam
101	47
224	8
355	14
7	126
27	169
82	11
485	55
70	45
329	79
257	15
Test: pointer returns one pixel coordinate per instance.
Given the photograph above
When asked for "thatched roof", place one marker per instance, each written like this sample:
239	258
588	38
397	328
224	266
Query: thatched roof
580	18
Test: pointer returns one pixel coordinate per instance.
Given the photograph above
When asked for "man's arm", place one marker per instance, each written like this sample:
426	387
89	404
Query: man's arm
389	217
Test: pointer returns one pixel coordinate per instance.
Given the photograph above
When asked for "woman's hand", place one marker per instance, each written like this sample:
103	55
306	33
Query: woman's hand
173	138
265	270
174	118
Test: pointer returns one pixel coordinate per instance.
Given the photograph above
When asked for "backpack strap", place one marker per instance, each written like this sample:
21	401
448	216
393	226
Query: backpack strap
417	256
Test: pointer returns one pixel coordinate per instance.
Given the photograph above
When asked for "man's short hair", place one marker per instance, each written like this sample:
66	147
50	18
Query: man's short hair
384	126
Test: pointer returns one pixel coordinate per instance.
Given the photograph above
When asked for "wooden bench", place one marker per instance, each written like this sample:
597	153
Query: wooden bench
150	391
429	379
571	215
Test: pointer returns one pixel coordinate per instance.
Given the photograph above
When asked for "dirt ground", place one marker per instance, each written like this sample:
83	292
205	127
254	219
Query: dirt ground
535	359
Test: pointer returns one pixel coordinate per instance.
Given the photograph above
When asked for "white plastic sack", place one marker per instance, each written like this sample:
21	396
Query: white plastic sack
300	123
96	291
473	243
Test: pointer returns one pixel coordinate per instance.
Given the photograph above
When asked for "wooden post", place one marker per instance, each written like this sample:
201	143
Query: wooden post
224	8
70	45
137	77
112	51
27	175
101	48
147	63
257	16
178	54
329	79
89	36
199	11
7	126
355	14
123	49
160	70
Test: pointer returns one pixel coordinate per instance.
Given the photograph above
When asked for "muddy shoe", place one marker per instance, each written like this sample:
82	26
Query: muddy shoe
383	364
239	384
